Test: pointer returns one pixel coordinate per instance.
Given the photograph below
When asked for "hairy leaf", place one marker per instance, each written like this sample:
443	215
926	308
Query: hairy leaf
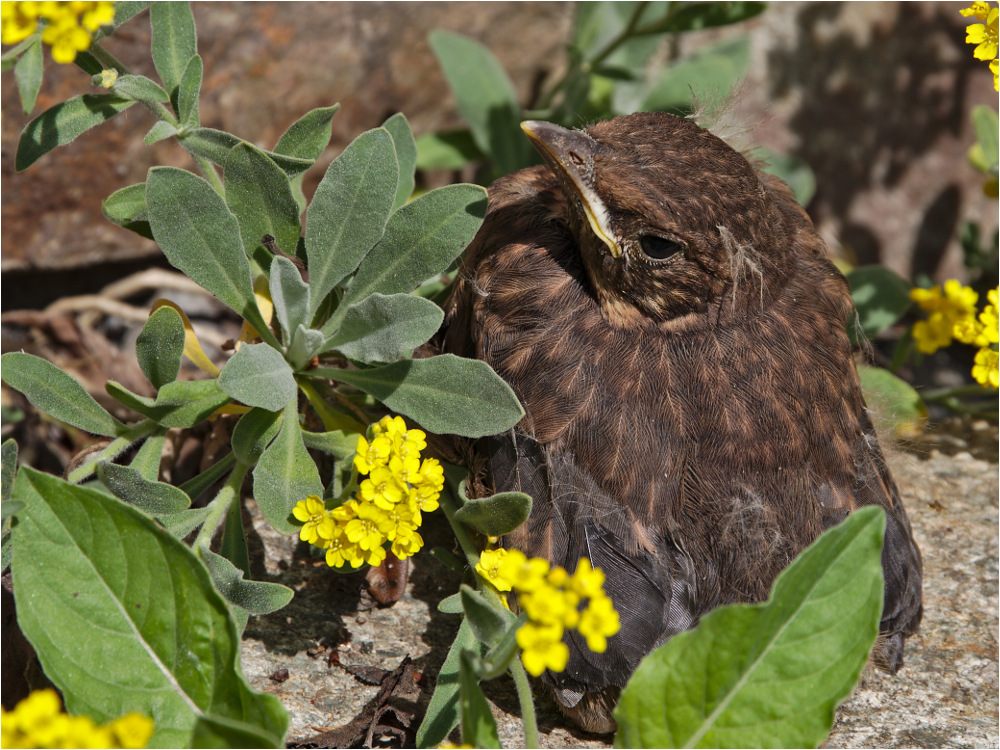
65	122
383	328
285	474
257	375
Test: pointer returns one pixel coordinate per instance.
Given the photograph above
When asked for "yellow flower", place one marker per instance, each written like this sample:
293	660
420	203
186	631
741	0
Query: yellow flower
372	455
984	35
18	21
383	489
132	730
986	369
947	307
37	721
542	648
489	568
407	543
312	513
370	528
524	575
598	622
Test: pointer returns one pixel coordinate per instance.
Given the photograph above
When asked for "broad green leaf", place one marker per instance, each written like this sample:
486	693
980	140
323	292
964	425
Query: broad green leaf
485	96
349	210
880	296
124	617
28	74
56	393
406	156
308	136
444	394
258	194
125	11
443	710
161	129
160	346
181	403
495	515
707	73
128	484
772	674
139	88
479	728
421	239
63	123
256	597
174	43
253	433
338	443
127	208
219	732
306	343
215	146
898	407
695	16
383	328
450	150
497	660
147	458
451	605
285	474
181	524
289	294
188	92
257	375
488	624
201	238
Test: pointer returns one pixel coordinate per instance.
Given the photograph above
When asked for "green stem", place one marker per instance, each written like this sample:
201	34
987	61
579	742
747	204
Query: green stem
331	419
109	61
207	170
219	505
112	450
464	540
527	702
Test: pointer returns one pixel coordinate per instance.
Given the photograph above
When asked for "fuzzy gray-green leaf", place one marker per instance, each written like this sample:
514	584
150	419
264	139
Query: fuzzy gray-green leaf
128	484
63	123
308	136
406	155
28	74
383	328
495	515
257	375
174	43
259	195
160	346
285	474
290	296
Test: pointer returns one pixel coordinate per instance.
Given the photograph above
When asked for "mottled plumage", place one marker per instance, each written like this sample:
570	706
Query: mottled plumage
693	417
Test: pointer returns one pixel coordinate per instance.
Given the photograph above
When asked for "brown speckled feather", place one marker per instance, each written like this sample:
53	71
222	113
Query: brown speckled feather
690	424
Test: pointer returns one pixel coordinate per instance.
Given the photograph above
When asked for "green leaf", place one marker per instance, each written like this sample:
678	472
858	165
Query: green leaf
487	622
289	294
985	121
443	710
772	674
219	732
384	328
52	391
139	88
179	525
147	458
881	297
197	485
128	484
160	346
451	605
181	403
495	515
479	728
338	443
257	375
201	238
63	123
795	172
253	433
125	11
498	659
421	239
188	92
897	405
215	146
444	394
450	150
285	474
124	617
256	597
306	343
161	129
485	96
258	194
174	43
406	155
127	208
308	136
8	470
234	550
349	210
28	74
694	16
710	73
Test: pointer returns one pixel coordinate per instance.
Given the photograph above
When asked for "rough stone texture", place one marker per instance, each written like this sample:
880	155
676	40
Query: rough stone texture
945	696
873	96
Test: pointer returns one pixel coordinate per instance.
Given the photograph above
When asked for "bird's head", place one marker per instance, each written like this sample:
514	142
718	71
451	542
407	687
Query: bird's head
668	217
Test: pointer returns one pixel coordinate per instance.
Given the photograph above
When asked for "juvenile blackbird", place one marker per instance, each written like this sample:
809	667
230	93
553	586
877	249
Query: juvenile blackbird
693	418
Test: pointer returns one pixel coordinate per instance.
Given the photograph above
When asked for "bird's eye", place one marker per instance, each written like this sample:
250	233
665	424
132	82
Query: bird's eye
659	248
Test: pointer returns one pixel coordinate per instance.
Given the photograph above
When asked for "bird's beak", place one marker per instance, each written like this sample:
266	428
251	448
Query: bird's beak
570	153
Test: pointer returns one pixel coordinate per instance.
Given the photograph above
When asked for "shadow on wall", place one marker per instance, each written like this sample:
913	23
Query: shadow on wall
873	107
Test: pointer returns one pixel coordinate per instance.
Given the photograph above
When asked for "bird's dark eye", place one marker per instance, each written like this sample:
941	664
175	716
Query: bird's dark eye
659	248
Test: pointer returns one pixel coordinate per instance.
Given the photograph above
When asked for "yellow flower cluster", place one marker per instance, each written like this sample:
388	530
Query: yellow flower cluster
552	600
984	35
37	721
953	316
388	504
67	27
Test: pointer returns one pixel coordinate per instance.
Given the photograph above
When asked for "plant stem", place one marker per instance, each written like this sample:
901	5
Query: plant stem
331	420
108	60
112	450
527	702
207	170
219	505
464	540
